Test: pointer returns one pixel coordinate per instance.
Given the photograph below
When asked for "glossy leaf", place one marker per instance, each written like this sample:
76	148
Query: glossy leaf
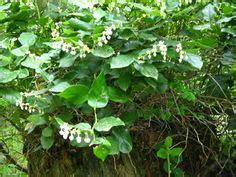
7	75
123	137
27	39
117	95
105	124
77	94
98	93
121	61
104	51
149	70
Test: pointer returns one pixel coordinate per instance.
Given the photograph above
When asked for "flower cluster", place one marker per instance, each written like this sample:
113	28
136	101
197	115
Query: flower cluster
185	2
68	131
179	49
58	25
154	50
23	105
222	125
106	35
31	108
66	47
163	48
83	49
55	34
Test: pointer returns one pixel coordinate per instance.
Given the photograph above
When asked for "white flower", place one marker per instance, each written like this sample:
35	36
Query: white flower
58	24
55	34
73	52
106	35
87	139
163	48
65	130
100	43
78	139
179	47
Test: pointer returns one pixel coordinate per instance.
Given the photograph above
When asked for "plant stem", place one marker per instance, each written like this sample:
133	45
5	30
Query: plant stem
37	8
95	118
168	165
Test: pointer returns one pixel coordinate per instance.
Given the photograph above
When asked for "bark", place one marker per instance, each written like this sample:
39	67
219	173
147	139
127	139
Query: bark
81	164
63	160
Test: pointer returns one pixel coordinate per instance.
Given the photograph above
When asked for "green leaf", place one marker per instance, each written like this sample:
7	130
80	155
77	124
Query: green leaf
202	27
103	150
105	124
31	62
83	126
3	102
98	13
129	117
67	61
37	120
21	51
27	39
60	87
121	61
124	81
149	70
123	137
46	142
117	95
176	152
209	12
7	75
104	51
76	94
168	142
98	93
194	60
23	73
114	149
229	31
47	132
126	34
10	95
162	153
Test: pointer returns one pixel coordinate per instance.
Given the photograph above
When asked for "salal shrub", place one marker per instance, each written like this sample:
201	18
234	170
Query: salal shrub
86	73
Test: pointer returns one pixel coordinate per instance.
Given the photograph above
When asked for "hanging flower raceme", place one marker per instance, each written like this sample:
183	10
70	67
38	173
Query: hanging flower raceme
64	130
24	105
154	50
72	133
179	49
83	49
106	35
163	48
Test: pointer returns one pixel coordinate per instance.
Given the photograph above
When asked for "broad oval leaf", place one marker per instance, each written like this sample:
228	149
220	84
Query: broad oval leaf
47	132
104	51
103	150
76	94
21	51
117	95
121	61
149	70
105	124
27	39
46	142
162	153
123	137
194	60
98	93
7	75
